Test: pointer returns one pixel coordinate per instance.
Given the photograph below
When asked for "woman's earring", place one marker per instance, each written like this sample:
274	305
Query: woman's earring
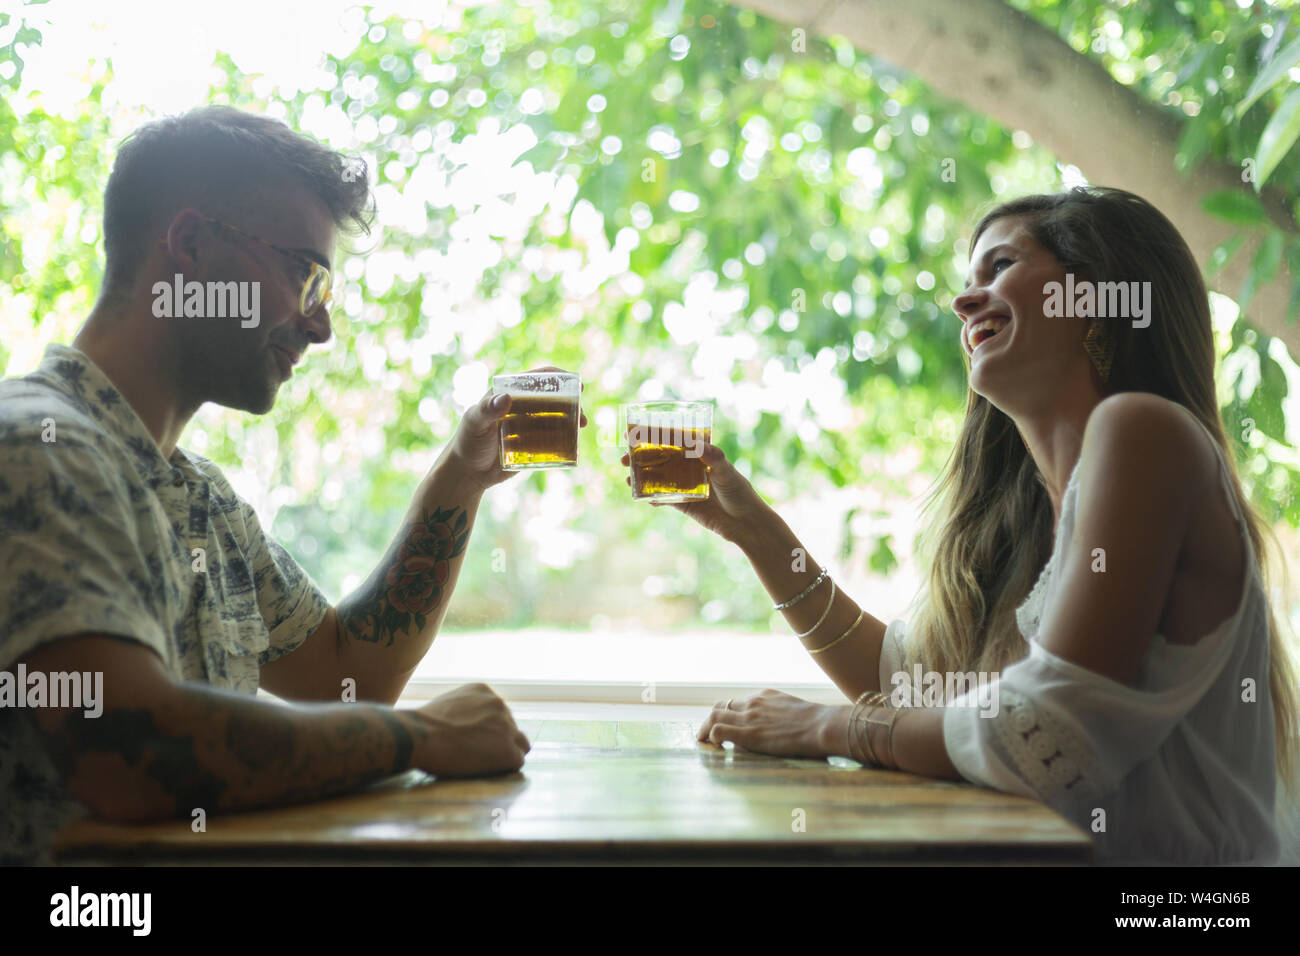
1100	348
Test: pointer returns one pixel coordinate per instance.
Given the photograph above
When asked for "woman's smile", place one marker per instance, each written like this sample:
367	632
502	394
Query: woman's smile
981	330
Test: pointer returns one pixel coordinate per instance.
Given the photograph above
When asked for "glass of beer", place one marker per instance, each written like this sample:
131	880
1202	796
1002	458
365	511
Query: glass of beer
665	441
541	428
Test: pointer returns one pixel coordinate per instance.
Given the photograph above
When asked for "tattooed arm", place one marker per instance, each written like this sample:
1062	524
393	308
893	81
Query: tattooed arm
380	632
161	749
383	629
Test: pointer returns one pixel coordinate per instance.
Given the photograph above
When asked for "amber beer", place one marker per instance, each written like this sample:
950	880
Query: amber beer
665	441
541	428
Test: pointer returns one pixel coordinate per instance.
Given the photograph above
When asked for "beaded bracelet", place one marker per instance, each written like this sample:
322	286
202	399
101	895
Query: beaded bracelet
802	594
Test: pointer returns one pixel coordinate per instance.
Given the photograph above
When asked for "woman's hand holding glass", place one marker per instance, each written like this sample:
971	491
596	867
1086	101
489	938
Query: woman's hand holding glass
769	722
733	510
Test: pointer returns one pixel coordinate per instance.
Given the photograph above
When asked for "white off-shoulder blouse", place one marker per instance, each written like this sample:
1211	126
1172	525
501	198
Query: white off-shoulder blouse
1178	769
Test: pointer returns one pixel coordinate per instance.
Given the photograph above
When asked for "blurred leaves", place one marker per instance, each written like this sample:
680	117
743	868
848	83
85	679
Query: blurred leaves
1236	207
705	213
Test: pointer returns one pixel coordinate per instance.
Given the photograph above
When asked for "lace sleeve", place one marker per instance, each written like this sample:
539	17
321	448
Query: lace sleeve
1025	747
1060	733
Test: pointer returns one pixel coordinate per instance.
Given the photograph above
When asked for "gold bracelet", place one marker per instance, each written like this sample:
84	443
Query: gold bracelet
849	732
824	614
851	726
882	723
870	698
852	627
848	729
889	741
867	699
869	756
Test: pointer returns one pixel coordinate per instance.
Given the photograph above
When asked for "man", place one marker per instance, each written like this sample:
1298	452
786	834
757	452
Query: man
124	555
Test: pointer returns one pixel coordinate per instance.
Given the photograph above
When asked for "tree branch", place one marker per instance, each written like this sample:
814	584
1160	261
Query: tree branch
1001	62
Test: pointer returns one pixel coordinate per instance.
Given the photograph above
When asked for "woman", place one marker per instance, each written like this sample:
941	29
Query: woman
1094	548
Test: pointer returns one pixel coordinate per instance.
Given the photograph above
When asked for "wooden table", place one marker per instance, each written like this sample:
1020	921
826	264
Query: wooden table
621	792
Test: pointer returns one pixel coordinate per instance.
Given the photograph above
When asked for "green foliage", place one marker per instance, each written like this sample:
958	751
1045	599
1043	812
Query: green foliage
738	213
1236	207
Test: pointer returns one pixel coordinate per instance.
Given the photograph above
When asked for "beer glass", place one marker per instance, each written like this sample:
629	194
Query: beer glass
665	441
541	428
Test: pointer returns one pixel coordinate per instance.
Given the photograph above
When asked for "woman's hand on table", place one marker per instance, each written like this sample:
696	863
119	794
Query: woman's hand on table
771	722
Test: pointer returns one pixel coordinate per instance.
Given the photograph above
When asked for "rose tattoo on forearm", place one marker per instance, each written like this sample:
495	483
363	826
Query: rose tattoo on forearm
409	583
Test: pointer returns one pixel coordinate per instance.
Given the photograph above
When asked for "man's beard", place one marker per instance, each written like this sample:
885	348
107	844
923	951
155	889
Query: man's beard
212	369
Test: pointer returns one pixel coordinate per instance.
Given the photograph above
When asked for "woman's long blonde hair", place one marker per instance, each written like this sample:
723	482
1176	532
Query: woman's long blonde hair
994	528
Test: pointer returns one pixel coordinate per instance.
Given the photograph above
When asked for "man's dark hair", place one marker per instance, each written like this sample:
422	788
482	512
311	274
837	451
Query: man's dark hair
223	161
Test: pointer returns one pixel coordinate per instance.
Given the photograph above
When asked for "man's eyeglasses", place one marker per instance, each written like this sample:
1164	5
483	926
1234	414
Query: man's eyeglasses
315	285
